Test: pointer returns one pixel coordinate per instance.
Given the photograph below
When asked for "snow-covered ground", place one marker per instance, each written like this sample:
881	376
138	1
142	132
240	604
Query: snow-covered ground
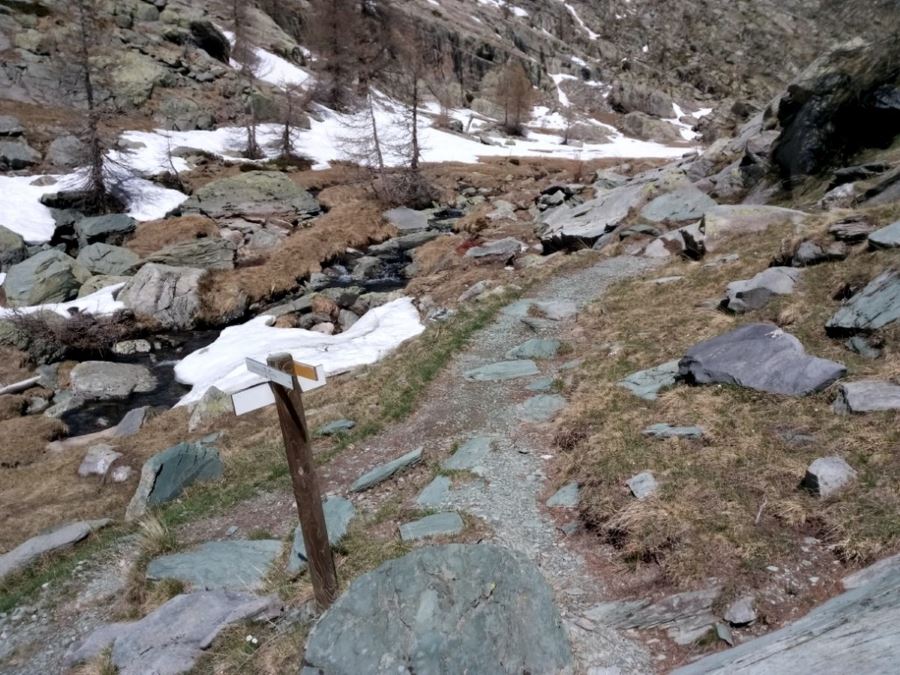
99	303
271	68
221	364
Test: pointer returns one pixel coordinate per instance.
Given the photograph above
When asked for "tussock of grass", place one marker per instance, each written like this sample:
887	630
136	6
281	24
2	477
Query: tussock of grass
729	504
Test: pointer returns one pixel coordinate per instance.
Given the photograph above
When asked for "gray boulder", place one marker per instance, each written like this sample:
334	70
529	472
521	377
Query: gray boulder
339	513
384	471
643	126
63	537
809	253
504	370
436	525
828	475
168	295
66	152
234	565
867	396
536	348
443	609
886	237
165	475
565	498
254	193
740	612
99	282
105	259
876	306
406	242
335	427
435	493
98	460
105	380
496	251
12	248
407	220
684	203
173	637
208	253
183	114
852	228
759	356
642	485
110	229
688	241
749	294
213	405
10	126
668	431
592	219
647	384
49	276
17	155
628	97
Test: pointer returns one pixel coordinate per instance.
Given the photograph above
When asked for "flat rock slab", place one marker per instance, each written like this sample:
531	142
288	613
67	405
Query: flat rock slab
384	471
668	431
503	370
684	203
593	218
469	455
253	193
435	493
749	294
855	632
867	396
876	306
647	384
165	475
551	310
886	237
642	485
540	384
499	251
336	427
536	348
565	498
63	537
541	408
106	380
435	525
720	221
339	513
173	637
407	220
219	565
443	609
759	356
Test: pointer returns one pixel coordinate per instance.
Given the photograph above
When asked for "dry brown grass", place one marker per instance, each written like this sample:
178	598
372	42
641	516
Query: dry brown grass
156	234
24	441
704	519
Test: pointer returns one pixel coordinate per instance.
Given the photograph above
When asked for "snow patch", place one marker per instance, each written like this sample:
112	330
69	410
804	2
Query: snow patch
271	68
99	303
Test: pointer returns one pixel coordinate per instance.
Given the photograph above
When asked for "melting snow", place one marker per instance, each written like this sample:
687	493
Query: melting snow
591	34
272	68
99	303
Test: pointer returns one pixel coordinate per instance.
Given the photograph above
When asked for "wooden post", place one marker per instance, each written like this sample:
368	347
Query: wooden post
289	403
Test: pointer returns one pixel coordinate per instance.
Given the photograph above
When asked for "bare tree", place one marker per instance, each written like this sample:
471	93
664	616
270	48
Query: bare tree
515	95
295	100
243	54
336	30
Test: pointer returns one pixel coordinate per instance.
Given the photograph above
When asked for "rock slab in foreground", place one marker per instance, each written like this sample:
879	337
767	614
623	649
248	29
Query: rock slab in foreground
443	609
759	356
874	307
173	637
338	514
503	370
219	565
435	525
67	535
646	384
384	471
867	396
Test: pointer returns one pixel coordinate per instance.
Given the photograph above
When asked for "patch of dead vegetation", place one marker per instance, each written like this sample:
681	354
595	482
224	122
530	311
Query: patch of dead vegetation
24	443
153	235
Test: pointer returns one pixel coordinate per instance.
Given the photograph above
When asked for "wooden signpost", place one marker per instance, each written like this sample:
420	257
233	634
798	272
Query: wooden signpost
286	380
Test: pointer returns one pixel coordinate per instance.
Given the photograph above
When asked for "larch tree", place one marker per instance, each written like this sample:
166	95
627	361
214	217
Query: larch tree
515	95
243	54
336	30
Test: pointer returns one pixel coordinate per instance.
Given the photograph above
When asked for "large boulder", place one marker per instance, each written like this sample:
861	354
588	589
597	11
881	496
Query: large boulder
165	475
589	221
886	237
62	537
683	203
759	356
110	229
17	154
107	260
49	276
134	76
209	253
105	380
643	126
12	248
168	295
66	152
629	97
749	294
173	637
874	307
867	396
443	609
254	193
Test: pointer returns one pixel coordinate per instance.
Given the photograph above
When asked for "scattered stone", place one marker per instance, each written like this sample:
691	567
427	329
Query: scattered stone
120	474
759	356
335	427
828	475
435	493
687	241
110	229
214	404
684	203
62	537
496	251
106	380
433	606
642	485
536	348
405	242
665	281
750	294
339	512
235	565
165	475
851	229
172	638
565	498
867	396
740	612
49	276
98	460
132	422
504	370
810	253
251	194
470	455
384	471
435	525
10	126
874	573
552	310
168	295
668	431
474	291
407	220
66	152
647	384
886	237
863	346
105	259
876	306
130	347
723	632
541	408
541	384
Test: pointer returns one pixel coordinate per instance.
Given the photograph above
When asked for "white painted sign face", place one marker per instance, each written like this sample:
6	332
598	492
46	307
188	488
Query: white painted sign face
270	374
253	398
260	395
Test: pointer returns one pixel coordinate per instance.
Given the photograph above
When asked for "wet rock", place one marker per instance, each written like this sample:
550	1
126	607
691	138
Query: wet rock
251	194
98	460
740	612
434	606
165	475
436	525
213	405
647	384
496	251
668	431
642	485
63	537
435	493
867	396
536	348
504	370
209	253
368	267
234	565
335	427
876	306
886	237
49	276
541	408
172	638
339	513
470	455
384	471
167	295
565	498
750	294
684	203
110	229
105	380
828	475
129	347
108	260
407	220
759	356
